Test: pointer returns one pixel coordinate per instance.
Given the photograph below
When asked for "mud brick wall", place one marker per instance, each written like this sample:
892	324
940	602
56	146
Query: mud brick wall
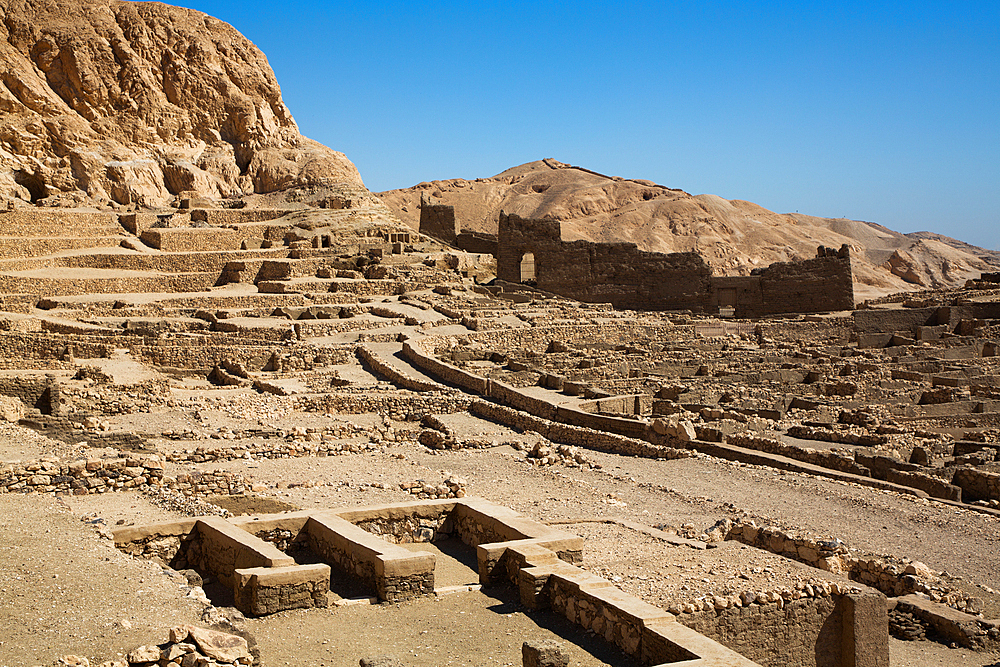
477	242
616	273
800	633
438	221
824	283
40	394
977	484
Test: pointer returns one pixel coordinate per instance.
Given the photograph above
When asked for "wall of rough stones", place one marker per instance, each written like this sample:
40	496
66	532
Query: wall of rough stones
800	633
236	216
404	405
538	338
891	576
574	435
104	475
188	239
825	458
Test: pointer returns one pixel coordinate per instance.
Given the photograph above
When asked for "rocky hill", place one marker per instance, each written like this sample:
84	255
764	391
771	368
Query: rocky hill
133	102
734	236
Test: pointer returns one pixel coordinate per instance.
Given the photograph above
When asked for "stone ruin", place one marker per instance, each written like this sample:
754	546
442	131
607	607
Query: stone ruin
249	555
276	311
532	251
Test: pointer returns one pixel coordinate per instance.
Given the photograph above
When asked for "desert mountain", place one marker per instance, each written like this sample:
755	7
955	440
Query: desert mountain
133	102
735	236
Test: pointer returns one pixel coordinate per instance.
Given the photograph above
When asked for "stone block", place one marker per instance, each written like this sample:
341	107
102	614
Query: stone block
864	638
543	653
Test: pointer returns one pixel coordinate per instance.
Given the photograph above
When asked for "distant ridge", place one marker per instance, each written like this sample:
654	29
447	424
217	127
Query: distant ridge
733	236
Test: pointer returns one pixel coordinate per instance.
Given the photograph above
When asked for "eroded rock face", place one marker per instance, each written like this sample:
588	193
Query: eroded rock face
135	102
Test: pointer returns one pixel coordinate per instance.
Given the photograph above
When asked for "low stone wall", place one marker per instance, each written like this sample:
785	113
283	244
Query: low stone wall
444	372
574	435
187	239
827	459
393	573
236	216
263	579
392	374
82	477
400	406
892	577
647	633
827	435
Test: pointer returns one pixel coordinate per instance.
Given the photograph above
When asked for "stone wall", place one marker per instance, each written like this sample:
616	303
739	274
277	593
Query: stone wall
891	576
236	216
393	573
616	273
126	471
825	458
800	633
187	239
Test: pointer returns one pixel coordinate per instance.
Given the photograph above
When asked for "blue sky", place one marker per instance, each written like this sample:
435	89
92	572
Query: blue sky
880	111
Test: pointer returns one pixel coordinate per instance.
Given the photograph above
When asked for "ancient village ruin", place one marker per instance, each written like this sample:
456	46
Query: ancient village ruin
252	416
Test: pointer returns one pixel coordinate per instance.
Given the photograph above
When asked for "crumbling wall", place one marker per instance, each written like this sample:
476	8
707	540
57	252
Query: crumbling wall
41	394
626	277
616	273
477	242
438	221
821	284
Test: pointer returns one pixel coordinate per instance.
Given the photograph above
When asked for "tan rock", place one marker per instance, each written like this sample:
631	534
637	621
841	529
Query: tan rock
11	408
147	653
76	130
219	646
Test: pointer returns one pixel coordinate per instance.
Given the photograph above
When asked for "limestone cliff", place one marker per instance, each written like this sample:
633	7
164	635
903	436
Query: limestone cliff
133	102
734	237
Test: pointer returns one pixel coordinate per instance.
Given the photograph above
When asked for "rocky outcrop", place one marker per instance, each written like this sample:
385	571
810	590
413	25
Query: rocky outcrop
134	102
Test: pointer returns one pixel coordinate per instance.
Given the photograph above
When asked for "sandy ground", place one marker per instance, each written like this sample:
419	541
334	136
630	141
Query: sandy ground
65	589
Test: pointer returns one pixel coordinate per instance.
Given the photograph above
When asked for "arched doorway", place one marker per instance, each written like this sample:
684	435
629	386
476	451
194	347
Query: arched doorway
528	268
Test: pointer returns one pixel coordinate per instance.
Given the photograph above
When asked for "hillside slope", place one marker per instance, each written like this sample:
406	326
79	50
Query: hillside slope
733	236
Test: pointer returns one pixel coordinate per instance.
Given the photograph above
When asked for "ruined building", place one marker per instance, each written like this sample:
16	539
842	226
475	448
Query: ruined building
533	252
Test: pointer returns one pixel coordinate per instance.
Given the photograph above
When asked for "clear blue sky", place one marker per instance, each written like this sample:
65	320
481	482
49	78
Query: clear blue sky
880	111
